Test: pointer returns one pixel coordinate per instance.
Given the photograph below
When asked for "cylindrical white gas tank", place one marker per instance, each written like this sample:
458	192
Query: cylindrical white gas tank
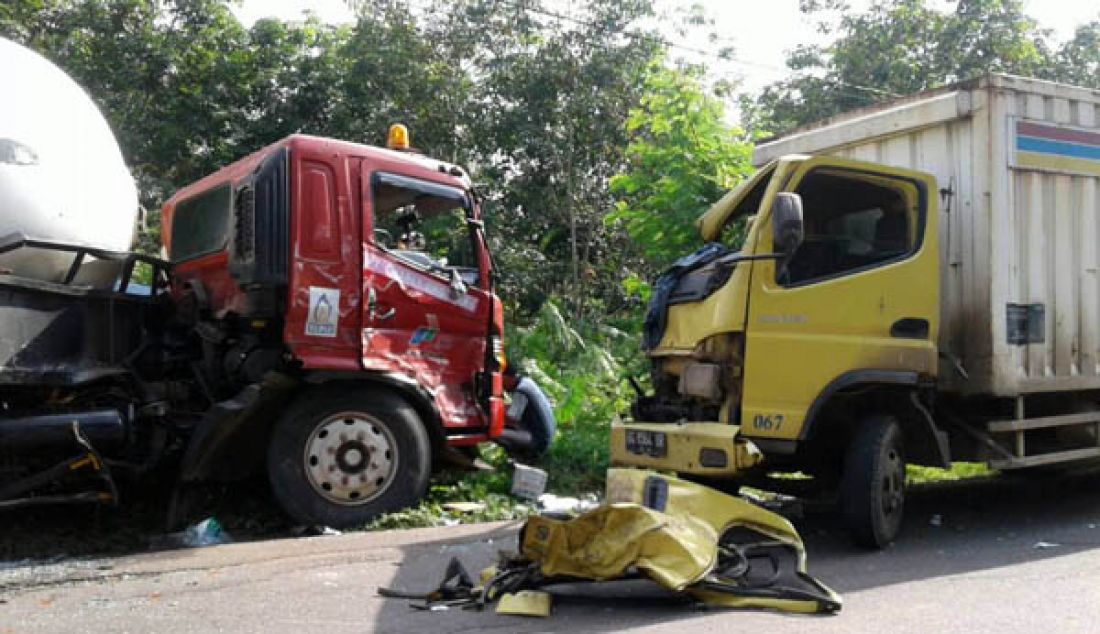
62	176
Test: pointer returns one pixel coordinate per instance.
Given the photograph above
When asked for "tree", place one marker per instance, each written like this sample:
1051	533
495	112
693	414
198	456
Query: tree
185	87
1079	58
533	100
898	47
682	157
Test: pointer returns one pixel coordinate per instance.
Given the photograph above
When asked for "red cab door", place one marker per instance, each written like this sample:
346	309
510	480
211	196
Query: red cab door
426	306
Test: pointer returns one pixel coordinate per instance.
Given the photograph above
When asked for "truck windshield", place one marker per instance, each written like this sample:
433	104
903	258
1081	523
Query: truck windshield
728	220
427	225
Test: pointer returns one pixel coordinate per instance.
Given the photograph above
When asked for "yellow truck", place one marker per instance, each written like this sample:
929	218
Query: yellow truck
918	283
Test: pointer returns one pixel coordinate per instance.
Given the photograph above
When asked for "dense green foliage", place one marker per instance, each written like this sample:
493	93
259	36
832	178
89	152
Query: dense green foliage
898	47
682	157
594	148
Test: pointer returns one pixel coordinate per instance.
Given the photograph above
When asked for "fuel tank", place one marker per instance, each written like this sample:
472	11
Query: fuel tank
62	175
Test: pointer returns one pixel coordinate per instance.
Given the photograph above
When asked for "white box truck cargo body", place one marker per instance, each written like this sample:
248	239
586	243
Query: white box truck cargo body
1018	164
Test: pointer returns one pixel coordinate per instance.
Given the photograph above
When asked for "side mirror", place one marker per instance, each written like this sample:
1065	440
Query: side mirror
786	223
458	287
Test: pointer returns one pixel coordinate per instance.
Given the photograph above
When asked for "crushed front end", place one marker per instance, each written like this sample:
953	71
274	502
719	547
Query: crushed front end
693	337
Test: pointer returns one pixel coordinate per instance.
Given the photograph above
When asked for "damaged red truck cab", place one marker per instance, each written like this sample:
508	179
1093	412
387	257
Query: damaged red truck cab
362	275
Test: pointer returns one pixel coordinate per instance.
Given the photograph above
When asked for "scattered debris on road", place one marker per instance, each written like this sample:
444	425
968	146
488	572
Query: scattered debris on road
528	482
550	503
314	531
524	603
208	532
715	548
464	507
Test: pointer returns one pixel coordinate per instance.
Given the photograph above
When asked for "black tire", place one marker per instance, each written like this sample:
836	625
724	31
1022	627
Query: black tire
872	488
386	419
537	419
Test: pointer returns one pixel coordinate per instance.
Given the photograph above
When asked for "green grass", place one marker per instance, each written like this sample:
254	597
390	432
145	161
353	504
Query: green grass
576	465
959	471
490	488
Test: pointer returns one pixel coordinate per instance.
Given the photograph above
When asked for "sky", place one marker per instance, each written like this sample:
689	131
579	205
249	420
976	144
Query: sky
760	51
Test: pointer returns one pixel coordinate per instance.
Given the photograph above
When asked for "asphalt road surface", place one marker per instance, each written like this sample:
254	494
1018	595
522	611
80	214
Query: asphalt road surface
1003	555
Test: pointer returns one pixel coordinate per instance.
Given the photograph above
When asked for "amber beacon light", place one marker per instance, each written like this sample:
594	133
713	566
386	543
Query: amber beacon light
398	137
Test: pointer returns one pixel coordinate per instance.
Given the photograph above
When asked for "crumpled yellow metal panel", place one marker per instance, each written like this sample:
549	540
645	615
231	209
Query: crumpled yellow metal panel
524	603
674	531
602	544
687	499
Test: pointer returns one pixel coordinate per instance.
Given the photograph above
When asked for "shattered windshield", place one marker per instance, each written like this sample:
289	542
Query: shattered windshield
426	225
727	220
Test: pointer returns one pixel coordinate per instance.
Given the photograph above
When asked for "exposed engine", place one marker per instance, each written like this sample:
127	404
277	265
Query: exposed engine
702	386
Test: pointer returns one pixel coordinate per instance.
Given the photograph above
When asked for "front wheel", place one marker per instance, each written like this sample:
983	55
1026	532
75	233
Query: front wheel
341	458
872	493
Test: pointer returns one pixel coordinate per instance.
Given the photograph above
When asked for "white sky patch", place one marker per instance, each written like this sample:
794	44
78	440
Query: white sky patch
761	32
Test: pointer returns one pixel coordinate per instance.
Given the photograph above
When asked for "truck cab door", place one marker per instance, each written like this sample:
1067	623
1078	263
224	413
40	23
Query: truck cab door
858	299
426	305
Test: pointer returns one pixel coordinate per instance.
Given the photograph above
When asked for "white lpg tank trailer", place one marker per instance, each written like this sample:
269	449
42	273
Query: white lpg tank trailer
67	200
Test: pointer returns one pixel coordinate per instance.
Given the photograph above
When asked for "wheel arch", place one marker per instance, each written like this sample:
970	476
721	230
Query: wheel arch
223	445
835	413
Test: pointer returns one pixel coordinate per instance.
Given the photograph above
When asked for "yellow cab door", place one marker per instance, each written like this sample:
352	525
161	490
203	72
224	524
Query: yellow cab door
859	297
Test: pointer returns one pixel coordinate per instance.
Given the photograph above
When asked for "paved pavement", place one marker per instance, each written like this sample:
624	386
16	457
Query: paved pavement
1004	555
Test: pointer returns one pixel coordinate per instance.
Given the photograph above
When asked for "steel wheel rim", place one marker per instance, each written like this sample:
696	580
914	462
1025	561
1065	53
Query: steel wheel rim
350	458
893	484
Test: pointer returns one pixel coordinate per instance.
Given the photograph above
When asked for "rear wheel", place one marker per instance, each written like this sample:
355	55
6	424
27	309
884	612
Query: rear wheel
872	493
340	458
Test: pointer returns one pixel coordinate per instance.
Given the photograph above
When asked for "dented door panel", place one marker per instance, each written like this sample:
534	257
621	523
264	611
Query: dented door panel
416	324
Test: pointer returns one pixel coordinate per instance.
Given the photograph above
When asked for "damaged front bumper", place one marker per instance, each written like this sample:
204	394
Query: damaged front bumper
701	449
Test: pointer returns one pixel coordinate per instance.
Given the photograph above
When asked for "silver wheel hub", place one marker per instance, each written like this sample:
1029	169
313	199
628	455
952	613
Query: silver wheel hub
350	458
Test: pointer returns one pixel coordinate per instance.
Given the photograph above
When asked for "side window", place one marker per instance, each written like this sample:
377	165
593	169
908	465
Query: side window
853	222
425	225
201	223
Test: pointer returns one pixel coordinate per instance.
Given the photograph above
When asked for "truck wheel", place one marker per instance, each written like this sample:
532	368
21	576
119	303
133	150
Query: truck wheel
341	458
537	419
872	488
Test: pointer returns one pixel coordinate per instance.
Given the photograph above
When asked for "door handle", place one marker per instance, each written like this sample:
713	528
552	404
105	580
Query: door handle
910	328
372	308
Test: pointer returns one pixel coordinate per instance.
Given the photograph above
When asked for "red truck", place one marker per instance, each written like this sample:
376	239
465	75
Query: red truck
326	309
